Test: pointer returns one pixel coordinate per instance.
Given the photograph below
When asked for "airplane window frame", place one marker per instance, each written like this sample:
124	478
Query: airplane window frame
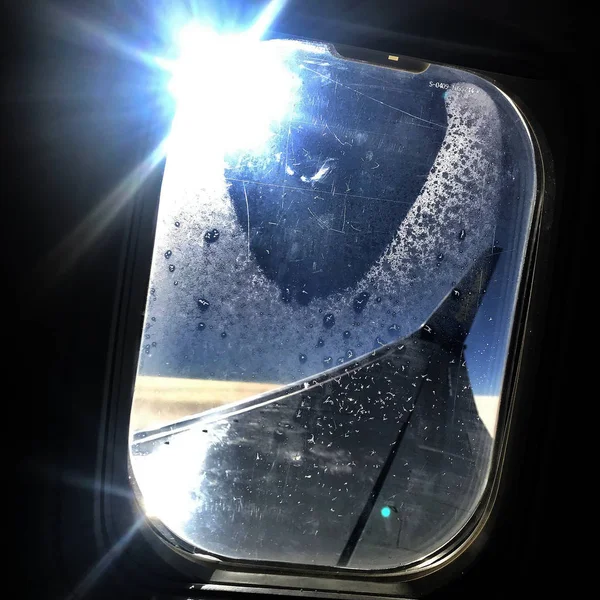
119	513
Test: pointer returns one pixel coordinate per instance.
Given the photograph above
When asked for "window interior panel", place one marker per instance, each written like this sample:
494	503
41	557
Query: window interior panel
336	264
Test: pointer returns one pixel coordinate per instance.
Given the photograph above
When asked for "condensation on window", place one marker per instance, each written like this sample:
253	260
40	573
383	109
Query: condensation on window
330	305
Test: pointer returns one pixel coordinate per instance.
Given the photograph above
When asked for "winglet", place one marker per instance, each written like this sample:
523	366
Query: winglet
451	322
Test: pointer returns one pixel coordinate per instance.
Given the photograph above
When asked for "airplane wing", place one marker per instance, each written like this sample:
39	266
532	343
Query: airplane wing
371	464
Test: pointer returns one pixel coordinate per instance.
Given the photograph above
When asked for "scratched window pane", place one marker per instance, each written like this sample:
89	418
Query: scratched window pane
336	265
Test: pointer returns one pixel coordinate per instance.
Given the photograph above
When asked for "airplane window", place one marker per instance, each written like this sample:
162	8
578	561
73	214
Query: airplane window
336	265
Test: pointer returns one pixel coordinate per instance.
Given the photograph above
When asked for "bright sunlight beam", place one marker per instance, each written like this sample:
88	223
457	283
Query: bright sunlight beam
75	245
231	90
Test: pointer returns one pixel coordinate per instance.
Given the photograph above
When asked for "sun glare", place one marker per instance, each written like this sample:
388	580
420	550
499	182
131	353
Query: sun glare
231	92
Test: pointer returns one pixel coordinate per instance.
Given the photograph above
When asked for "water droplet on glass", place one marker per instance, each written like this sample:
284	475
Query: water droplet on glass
302	358
212	235
201	326
461	235
378	299
168	254
171	268
340	360
440	256
320	343
327	361
154	318
203	304
393	328
349	354
360	302
154	344
177	223
176	282
329	320
346	334
223	334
